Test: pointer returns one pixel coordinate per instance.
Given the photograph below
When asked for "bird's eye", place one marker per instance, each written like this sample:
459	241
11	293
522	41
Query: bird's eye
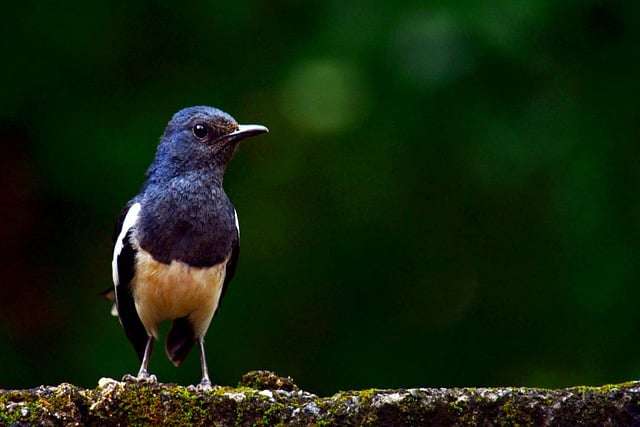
201	131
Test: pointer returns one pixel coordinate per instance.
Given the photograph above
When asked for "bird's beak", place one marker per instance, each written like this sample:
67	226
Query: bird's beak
243	131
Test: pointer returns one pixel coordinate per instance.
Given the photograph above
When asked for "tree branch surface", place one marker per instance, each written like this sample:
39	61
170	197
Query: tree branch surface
263	398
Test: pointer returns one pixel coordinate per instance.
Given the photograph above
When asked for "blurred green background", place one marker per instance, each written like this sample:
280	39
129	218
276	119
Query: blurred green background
448	195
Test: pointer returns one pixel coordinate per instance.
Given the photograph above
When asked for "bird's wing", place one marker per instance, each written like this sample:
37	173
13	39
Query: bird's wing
123	270
232	263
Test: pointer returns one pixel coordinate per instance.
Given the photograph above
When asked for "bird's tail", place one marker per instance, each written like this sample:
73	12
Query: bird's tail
180	340
110	295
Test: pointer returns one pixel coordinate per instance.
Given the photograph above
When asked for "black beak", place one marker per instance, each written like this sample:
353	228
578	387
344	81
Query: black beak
244	131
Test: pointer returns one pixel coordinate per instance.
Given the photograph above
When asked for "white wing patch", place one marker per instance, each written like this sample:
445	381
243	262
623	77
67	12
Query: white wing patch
237	223
129	221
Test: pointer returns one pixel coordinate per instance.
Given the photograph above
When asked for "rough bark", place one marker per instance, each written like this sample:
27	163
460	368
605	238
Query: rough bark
262	398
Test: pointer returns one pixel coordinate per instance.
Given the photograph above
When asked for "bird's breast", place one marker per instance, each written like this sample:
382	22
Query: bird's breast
195	226
170	291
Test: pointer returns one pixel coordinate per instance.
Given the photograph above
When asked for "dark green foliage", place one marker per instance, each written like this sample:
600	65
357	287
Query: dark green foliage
449	195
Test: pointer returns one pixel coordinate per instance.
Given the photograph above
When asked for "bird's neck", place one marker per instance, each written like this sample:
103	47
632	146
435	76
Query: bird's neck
206	178
163	171
174	160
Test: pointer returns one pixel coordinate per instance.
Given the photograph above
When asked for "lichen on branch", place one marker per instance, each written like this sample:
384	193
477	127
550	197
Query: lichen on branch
263	398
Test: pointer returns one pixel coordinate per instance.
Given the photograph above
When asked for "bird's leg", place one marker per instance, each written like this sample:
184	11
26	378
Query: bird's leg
205	382
143	373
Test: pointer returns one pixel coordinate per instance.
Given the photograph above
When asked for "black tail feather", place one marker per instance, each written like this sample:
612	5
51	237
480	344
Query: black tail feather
180	341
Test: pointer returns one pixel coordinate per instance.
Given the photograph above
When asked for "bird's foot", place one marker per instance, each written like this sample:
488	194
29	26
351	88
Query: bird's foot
204	385
143	377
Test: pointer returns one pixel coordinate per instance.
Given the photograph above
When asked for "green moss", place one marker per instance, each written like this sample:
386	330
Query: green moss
265	380
134	404
513	414
367	394
604	389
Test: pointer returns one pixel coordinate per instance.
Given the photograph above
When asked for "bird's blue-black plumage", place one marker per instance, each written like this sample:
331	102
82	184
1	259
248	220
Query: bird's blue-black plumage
187	216
187	219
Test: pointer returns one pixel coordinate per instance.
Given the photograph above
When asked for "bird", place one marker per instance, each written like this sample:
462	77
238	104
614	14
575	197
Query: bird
177	242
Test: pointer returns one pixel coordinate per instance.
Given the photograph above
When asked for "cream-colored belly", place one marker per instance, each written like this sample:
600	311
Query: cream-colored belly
166	292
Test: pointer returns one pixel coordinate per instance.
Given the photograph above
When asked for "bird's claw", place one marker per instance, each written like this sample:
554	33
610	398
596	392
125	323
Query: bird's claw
204	385
129	378
141	378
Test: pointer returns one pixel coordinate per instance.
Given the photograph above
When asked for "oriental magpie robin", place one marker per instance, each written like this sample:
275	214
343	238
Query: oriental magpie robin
176	243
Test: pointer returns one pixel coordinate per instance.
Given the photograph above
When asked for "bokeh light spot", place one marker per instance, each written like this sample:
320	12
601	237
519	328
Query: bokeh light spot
324	96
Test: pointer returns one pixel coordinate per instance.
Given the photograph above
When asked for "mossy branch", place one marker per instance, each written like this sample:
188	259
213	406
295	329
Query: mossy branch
262	398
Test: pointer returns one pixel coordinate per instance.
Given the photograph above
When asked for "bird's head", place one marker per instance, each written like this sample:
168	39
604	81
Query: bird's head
202	136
